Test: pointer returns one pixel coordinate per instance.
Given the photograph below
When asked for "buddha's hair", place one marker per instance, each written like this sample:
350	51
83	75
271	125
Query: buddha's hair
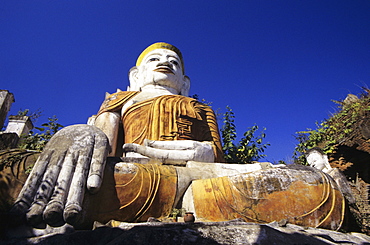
160	45
318	149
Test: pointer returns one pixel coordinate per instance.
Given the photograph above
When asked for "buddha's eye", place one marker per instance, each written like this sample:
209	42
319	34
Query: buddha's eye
153	59
174	62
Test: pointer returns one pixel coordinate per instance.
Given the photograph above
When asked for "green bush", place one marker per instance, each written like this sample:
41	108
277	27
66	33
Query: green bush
249	148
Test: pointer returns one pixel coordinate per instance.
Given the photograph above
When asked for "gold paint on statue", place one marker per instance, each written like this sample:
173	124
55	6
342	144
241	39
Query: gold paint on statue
115	101
133	192
148	191
256	198
168	117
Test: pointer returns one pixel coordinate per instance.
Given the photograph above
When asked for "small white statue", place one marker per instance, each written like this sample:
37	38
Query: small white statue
318	159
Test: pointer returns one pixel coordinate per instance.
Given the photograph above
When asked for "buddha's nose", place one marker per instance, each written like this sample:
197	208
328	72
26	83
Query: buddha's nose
164	63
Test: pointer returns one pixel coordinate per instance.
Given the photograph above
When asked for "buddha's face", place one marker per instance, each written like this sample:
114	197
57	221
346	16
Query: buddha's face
317	160
161	67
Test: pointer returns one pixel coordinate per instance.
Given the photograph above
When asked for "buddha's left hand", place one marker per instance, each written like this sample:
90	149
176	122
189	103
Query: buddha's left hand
174	152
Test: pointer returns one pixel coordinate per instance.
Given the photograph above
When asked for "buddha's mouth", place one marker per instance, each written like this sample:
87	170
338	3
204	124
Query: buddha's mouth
164	69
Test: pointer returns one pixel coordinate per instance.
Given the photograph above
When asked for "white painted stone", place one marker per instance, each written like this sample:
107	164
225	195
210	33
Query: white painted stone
224	169
21	125
74	157
133	157
161	69
318	160
188	201
109	123
91	120
174	152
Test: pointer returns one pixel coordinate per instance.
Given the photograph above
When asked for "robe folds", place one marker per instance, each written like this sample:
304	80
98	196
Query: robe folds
298	195
133	192
294	194
142	191
165	118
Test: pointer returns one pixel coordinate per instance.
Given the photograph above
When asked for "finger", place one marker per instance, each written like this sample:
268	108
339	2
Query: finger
53	214
166	156
171	145
26	195
204	152
179	151
44	191
73	207
130	147
98	161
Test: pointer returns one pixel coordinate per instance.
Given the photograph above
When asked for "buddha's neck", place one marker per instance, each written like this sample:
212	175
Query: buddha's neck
148	92
159	90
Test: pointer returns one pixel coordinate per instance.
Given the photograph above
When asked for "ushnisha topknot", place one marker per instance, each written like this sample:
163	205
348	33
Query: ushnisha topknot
160	45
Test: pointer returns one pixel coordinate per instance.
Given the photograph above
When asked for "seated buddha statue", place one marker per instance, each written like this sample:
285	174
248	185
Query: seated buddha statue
151	149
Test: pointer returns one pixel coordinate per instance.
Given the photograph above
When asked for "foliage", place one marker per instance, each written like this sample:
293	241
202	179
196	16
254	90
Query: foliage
177	212
249	148
32	115
281	162
196	97
37	140
333	131
30	144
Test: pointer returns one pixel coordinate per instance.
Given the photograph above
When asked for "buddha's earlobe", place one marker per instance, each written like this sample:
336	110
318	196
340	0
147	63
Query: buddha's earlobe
185	86
134	80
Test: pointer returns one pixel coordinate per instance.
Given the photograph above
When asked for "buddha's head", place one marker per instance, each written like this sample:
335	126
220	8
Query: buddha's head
160	66
317	159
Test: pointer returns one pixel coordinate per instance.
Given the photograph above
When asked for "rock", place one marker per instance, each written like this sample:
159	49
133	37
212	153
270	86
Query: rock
230	232
8	140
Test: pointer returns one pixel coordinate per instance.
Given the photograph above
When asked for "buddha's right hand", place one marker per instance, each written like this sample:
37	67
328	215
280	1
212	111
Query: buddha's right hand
73	160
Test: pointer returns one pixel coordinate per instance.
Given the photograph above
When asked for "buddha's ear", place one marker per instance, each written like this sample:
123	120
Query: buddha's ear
327	164
185	86
134	79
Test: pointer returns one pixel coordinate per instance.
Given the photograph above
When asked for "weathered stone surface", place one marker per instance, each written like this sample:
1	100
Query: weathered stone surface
302	195
160	123
233	232
74	154
8	140
6	100
21	125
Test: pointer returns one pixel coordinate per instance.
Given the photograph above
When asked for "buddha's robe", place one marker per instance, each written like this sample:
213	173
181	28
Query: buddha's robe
300	195
165	118
150	189
296	194
143	191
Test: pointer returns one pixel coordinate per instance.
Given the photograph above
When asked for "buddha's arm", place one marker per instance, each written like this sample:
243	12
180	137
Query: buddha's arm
108	122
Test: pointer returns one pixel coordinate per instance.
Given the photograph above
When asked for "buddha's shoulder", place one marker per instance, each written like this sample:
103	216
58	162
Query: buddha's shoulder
116	100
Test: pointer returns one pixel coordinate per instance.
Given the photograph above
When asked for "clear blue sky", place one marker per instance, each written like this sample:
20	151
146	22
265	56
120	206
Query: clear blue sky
277	64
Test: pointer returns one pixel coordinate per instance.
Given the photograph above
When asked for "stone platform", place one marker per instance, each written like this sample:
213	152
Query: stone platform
232	232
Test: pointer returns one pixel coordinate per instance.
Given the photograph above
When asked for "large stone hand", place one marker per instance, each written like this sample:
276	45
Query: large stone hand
73	159
174	152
